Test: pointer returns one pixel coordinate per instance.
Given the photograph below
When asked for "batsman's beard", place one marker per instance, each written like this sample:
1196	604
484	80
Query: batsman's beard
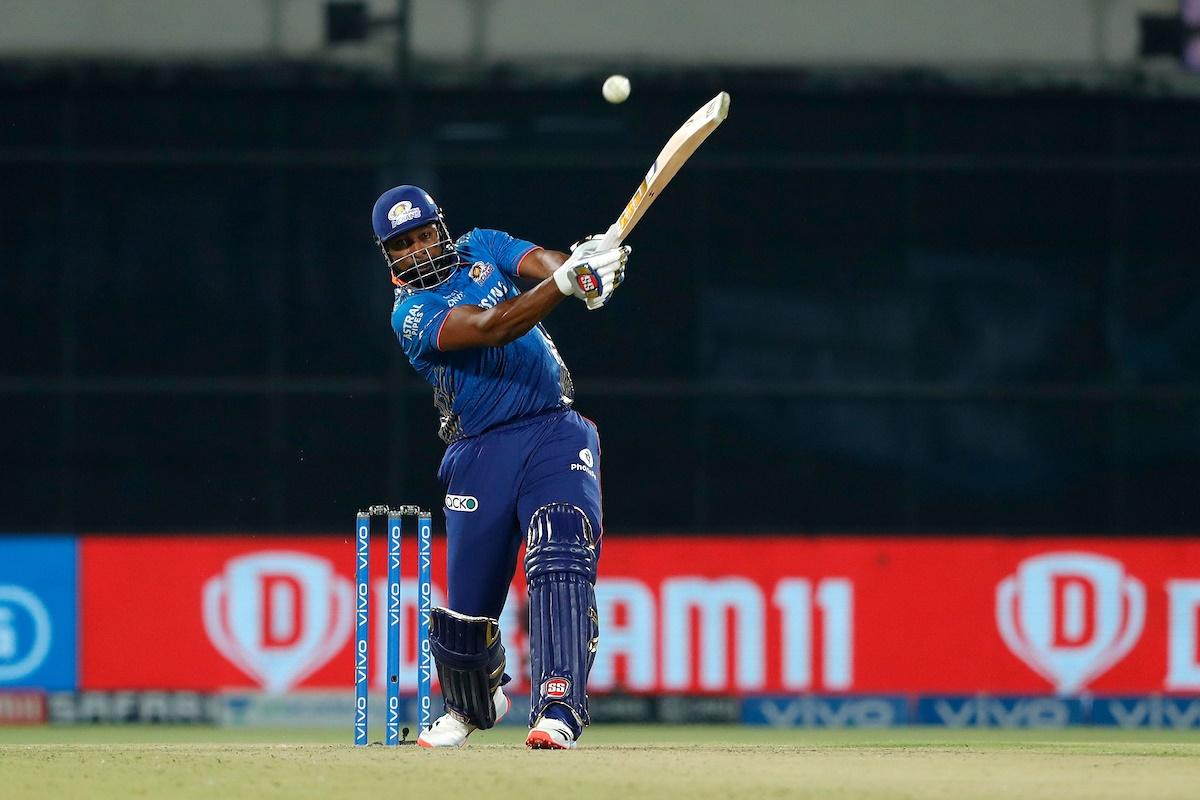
421	269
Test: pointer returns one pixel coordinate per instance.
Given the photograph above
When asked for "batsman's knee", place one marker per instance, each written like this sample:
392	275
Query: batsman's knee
560	541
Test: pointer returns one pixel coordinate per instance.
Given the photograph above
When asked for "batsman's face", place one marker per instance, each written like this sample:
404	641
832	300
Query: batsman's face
418	246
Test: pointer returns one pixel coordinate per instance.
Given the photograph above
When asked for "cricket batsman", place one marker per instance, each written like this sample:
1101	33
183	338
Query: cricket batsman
519	461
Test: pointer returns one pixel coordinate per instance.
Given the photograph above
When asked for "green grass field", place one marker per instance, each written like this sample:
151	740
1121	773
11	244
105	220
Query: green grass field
612	762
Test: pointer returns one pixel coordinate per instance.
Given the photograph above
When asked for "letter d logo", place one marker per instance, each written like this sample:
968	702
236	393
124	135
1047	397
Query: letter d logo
1070	616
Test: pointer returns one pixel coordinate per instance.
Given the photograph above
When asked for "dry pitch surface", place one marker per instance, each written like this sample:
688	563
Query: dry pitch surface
617	762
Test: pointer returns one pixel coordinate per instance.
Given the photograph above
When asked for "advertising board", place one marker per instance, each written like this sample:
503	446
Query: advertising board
770	616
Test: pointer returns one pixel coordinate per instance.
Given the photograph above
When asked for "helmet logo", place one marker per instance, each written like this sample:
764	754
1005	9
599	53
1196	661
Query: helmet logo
402	212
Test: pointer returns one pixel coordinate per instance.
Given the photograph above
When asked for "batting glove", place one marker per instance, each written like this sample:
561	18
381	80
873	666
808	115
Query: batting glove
592	276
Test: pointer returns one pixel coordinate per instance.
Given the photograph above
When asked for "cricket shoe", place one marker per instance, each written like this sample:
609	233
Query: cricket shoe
451	731
550	734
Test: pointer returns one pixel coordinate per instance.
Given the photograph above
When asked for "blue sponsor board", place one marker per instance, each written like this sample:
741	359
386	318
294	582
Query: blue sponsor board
1147	711
38	618
988	711
826	711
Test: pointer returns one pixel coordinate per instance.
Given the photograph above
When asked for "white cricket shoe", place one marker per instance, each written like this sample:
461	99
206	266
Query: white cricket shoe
450	731
550	734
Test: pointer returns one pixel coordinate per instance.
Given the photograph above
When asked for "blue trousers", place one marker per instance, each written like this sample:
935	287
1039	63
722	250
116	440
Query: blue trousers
495	481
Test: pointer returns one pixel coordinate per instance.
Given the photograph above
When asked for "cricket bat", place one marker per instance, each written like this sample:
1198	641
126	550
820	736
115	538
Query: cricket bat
674	154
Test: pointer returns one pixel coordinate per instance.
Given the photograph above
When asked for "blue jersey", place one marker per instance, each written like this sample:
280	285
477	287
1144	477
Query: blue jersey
480	388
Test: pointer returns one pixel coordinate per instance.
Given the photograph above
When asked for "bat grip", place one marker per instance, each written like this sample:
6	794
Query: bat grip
611	238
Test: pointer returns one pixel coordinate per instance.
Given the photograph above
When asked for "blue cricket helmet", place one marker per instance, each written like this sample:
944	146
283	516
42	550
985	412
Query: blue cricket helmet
403	209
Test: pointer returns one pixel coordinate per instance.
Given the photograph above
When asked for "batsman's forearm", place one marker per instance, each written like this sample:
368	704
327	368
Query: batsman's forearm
514	318
542	263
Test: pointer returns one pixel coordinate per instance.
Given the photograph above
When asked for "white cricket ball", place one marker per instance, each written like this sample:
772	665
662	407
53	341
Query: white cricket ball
616	89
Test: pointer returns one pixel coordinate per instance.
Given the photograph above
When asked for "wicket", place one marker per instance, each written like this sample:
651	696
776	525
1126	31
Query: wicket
362	590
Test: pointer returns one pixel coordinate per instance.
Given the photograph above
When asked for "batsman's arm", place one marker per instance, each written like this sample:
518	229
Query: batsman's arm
468	326
537	265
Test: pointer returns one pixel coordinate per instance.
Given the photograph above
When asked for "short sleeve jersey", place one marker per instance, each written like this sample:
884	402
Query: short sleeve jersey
480	388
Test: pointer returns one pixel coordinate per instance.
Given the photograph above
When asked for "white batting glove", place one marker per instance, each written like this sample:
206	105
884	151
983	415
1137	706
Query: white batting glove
611	283
592	276
588	246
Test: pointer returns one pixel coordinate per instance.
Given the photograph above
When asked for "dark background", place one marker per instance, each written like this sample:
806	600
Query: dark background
869	304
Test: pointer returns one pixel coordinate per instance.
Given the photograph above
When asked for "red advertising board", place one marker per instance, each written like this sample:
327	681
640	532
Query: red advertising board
680	614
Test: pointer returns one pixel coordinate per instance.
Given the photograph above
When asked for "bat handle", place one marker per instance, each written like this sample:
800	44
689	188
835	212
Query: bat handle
611	238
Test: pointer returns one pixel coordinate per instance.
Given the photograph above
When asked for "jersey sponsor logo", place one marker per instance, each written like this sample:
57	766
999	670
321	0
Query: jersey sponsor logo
585	455
402	212
480	271
556	688
582	468
461	502
494	295
412	321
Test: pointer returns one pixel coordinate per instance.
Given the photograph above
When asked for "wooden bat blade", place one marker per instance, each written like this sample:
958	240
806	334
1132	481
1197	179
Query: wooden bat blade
674	154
